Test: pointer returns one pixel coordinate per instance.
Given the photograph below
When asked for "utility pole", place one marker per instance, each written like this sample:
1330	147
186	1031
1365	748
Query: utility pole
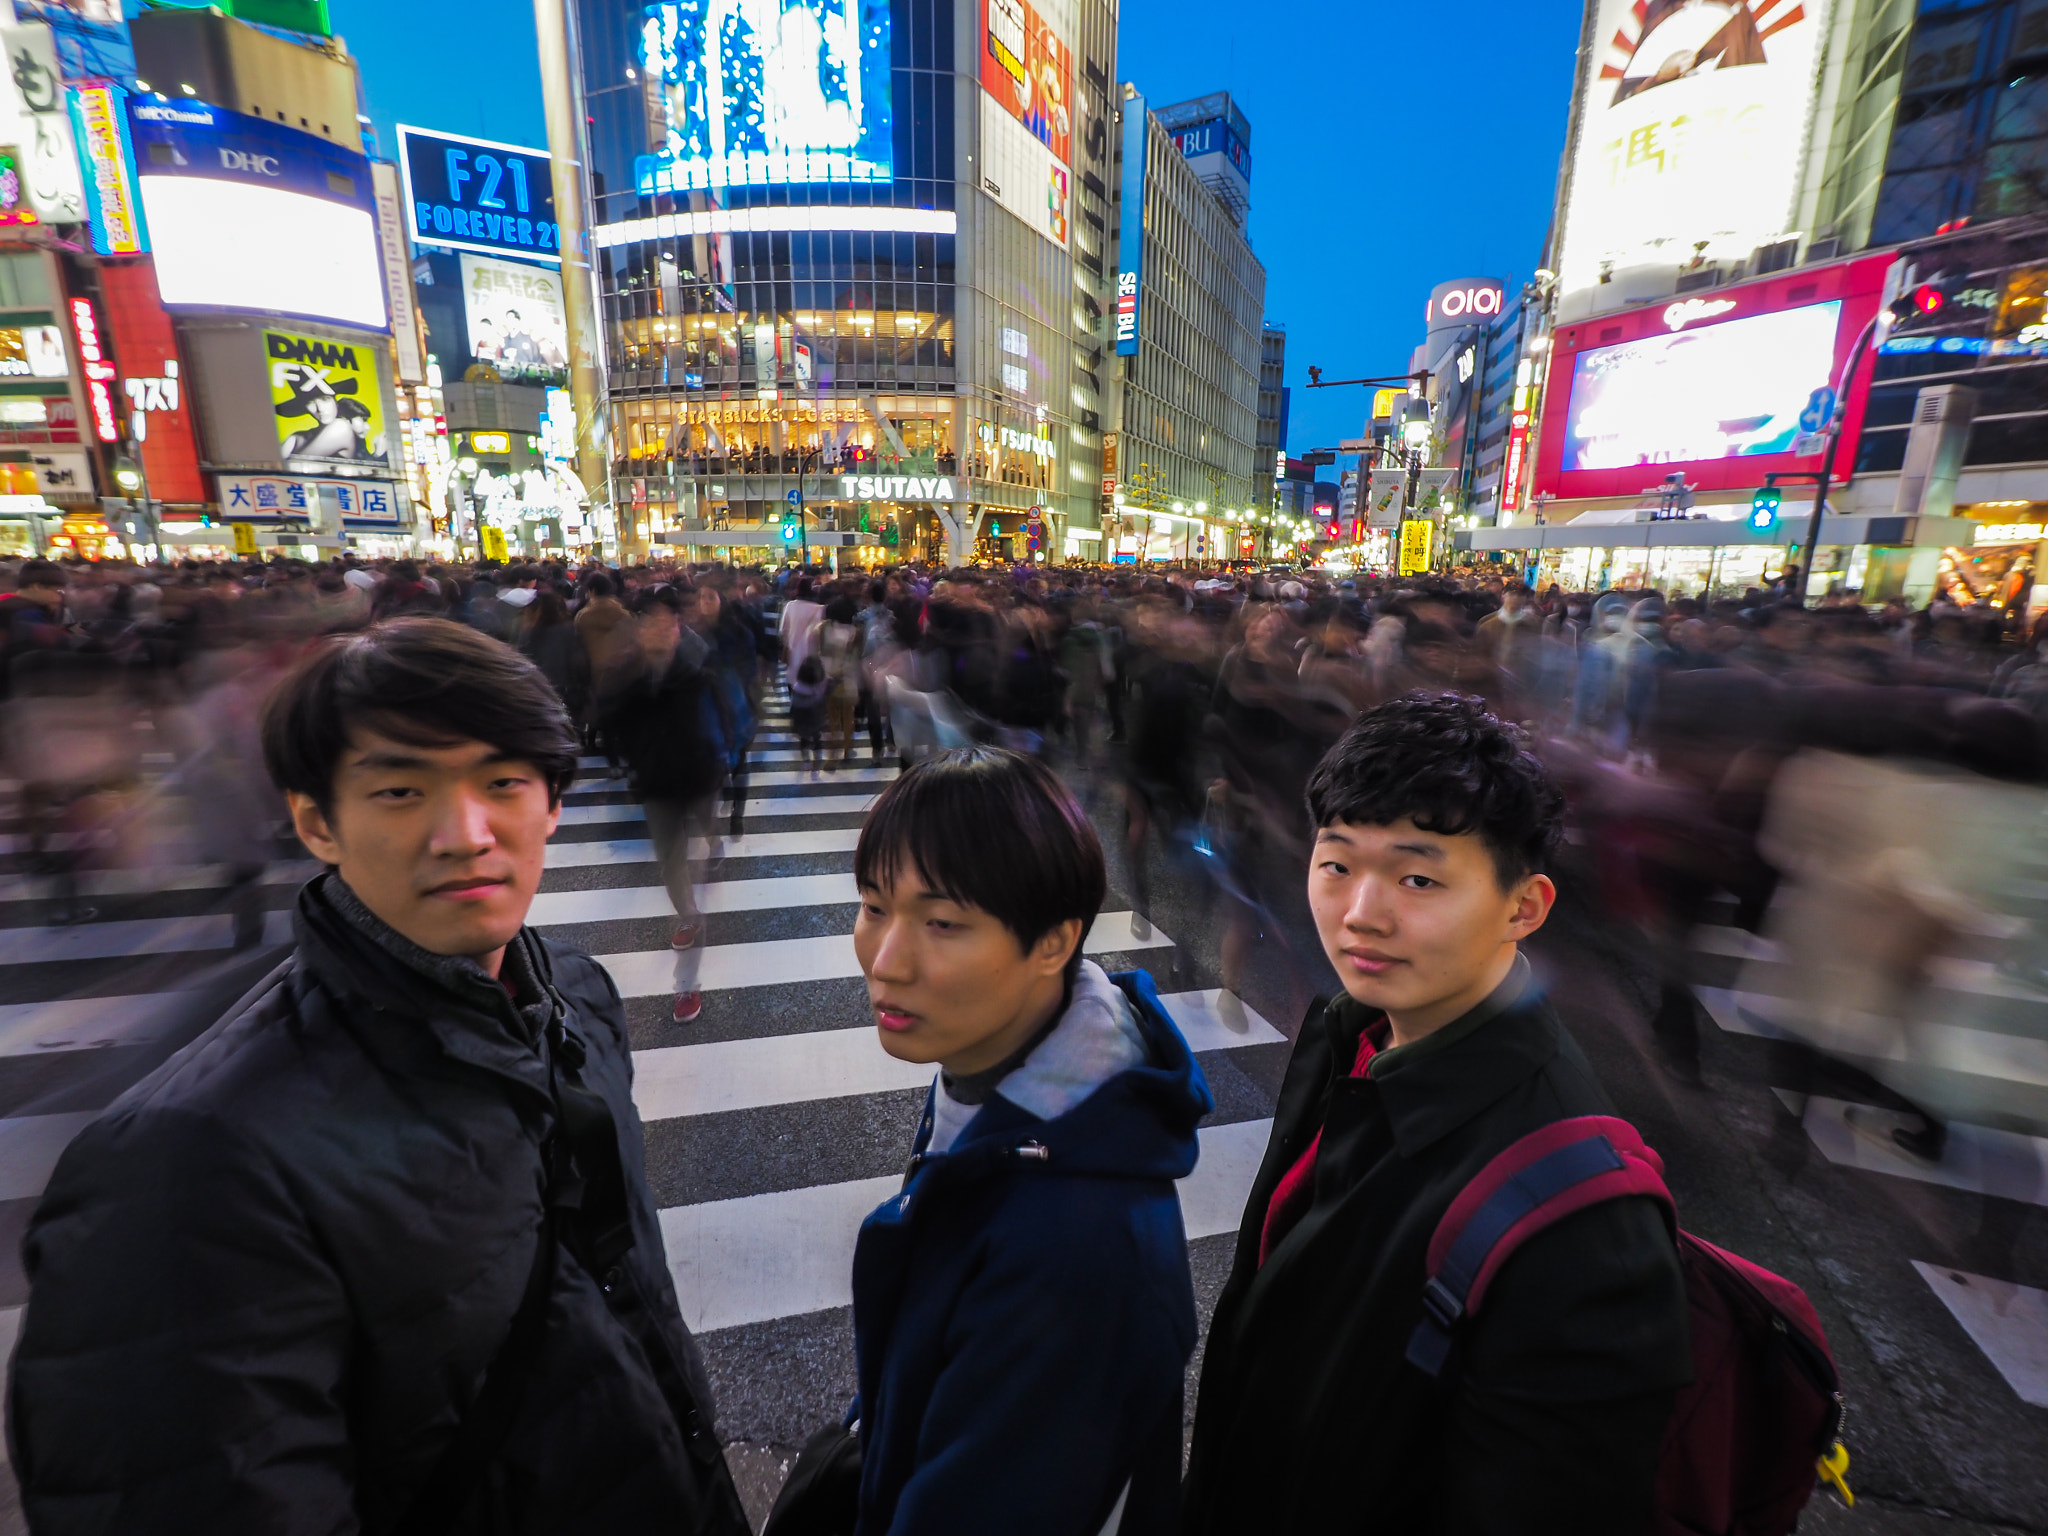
560	87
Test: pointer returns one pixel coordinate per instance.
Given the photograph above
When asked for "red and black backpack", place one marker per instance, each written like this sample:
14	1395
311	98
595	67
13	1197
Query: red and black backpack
1761	1421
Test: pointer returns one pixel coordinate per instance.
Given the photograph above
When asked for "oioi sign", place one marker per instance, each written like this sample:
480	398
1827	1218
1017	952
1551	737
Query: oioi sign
1464	301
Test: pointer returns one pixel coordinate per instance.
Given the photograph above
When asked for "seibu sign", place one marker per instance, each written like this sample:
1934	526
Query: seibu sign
1464	301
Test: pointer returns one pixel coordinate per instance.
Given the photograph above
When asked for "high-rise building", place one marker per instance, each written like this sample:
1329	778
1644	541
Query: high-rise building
1190	297
1273	396
883	296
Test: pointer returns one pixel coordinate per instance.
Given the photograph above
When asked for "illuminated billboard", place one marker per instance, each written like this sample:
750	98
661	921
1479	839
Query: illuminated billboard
1733	390
515	317
1027	79
1691	137
245	214
754	96
326	398
478	195
1030	72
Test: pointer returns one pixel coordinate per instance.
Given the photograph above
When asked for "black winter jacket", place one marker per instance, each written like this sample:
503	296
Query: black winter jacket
1310	1420
267	1282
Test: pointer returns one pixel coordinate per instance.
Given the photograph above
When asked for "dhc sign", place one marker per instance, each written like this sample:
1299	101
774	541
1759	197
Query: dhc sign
895	488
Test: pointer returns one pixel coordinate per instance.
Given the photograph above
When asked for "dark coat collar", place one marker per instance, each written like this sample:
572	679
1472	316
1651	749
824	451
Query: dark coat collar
1433	1095
466	1011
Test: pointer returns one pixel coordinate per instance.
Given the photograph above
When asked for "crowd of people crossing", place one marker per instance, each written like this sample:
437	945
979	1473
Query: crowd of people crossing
395	1266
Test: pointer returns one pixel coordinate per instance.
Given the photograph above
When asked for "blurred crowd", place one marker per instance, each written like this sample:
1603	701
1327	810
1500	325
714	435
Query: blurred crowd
1857	794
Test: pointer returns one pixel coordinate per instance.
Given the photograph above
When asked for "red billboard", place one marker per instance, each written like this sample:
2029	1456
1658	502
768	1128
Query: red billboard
1727	385
152	382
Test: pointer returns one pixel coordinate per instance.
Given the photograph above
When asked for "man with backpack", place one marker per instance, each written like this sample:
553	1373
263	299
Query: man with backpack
1332	1397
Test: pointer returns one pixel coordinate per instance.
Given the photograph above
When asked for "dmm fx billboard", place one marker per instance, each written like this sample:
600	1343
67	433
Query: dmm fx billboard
896	488
478	195
1692	132
326	395
1027	93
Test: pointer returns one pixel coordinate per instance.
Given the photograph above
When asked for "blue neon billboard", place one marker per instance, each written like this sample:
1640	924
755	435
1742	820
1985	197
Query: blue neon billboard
743	105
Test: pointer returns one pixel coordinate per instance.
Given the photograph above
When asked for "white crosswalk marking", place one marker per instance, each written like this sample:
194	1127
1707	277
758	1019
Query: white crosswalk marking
650	973
141	936
81	1024
755	845
795	805
673	1082
761	1257
618	903
2008	1322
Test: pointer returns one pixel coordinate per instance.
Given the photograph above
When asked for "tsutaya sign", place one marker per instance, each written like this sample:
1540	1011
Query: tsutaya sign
895	488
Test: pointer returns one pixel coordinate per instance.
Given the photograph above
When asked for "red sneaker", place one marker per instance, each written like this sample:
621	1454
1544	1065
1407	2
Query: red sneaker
689	1007
688	935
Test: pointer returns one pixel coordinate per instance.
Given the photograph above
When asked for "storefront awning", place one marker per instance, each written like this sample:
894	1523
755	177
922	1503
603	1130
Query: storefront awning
1721	533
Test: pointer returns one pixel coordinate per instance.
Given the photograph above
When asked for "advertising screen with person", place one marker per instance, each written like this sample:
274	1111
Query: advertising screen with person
1722	391
327	398
515	317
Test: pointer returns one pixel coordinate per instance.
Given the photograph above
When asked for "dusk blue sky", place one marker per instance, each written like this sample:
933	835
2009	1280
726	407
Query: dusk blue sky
1393	146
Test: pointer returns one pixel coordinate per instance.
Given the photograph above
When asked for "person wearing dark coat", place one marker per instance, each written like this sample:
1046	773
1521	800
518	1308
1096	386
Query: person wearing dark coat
1022	1310
376	1252
1434	823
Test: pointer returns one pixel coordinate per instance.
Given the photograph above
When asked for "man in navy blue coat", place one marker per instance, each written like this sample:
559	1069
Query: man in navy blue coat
1023	1313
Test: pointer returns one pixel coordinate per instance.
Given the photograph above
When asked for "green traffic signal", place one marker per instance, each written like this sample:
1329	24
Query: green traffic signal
1763	508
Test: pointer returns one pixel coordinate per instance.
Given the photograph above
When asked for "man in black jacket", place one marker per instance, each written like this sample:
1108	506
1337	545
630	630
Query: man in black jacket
376	1253
1434	824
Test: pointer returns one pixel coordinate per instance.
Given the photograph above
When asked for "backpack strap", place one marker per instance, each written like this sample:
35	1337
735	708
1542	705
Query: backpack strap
1538	1181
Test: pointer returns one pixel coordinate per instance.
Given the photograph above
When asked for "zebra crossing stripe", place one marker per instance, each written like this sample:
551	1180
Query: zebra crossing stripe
678	1081
2008	1322
755	845
829	957
135	936
553	909
735	1261
1979	1159
788	805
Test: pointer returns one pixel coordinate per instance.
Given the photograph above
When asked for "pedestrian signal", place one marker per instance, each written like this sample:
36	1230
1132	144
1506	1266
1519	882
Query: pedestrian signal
790	530
1763	509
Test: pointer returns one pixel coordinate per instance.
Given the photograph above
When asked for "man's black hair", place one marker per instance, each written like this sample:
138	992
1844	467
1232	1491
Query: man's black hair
990	829
426	682
1445	762
39	573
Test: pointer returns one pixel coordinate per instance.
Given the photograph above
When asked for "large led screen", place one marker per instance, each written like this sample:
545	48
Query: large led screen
240	245
248	214
751	94
1733	390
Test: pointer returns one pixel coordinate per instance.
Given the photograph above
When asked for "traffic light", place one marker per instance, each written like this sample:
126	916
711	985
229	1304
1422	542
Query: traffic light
791	532
1763	508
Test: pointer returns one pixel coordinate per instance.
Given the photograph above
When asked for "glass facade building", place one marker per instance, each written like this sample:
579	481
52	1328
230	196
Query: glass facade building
1188	431
814	274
